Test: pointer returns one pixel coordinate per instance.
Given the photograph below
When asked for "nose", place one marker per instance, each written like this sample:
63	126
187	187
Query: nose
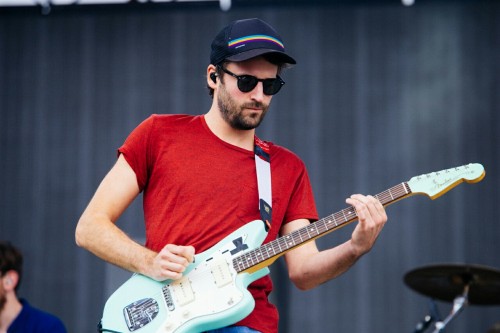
257	93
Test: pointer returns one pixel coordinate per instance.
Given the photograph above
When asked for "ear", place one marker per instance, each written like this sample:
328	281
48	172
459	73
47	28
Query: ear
10	280
212	76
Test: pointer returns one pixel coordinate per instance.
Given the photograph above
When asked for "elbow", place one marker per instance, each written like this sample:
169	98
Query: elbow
78	235
80	238
302	286
301	281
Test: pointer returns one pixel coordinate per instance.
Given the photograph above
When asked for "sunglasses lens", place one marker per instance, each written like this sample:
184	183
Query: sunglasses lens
272	86
246	83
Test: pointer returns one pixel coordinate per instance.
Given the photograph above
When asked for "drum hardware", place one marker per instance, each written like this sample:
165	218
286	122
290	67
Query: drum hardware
461	284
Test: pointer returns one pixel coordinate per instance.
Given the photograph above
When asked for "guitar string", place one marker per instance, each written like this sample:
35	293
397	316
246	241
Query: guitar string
401	190
315	229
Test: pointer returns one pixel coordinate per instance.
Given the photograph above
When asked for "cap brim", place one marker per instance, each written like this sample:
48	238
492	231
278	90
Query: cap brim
273	55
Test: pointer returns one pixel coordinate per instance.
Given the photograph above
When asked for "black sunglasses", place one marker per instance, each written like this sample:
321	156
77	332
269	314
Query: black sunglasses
247	83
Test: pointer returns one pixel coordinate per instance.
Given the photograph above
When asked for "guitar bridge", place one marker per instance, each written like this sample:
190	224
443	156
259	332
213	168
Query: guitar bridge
140	313
167	295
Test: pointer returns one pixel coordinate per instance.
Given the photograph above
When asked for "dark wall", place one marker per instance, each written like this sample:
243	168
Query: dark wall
381	93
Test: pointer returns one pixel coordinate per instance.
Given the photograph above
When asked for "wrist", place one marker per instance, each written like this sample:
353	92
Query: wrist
356	250
145	264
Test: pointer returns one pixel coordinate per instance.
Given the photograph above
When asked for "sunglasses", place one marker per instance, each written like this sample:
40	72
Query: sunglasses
247	83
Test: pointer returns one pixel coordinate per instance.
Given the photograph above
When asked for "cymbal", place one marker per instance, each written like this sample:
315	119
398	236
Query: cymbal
446	282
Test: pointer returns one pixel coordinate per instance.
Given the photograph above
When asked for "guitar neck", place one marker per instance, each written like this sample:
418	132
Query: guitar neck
265	255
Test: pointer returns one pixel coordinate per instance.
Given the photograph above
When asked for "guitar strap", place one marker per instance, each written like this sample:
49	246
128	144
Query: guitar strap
263	167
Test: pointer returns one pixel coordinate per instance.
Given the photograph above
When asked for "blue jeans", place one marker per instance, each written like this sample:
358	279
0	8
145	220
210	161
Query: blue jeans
234	329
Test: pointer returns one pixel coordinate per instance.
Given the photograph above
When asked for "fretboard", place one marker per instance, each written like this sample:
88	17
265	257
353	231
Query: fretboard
315	230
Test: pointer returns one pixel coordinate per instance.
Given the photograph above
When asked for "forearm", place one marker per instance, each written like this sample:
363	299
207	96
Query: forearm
322	266
309	267
104	239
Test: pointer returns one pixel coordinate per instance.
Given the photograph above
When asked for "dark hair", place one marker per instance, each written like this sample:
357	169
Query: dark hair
11	259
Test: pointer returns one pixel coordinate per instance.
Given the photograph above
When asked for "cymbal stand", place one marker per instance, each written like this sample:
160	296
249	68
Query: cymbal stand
428	319
459	304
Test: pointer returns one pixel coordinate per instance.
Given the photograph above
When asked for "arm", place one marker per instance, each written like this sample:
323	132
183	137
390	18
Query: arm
97	232
308	267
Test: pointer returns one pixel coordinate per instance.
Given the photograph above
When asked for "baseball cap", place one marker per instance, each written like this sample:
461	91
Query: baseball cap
245	39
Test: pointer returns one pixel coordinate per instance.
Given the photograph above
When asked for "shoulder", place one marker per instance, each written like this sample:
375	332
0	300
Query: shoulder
160	124
284	155
36	320
170	122
172	119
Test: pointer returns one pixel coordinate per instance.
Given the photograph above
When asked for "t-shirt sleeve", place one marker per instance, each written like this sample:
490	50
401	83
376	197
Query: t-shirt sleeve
135	150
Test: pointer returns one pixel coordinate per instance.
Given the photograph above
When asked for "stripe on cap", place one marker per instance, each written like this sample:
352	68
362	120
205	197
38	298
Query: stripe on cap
255	38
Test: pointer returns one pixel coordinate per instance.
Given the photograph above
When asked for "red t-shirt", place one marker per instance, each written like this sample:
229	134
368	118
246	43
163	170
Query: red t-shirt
197	189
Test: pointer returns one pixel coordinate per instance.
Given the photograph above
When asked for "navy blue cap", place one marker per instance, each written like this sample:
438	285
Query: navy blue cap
245	39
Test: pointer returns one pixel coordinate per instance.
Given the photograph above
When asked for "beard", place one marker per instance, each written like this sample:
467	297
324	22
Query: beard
3	300
232	113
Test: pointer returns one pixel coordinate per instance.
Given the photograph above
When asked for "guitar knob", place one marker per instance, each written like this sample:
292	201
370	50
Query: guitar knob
169	326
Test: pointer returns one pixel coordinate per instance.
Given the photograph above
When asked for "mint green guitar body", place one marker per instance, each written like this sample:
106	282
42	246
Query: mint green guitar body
210	295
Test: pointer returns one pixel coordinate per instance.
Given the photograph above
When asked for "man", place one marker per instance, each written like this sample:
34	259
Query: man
199	183
18	316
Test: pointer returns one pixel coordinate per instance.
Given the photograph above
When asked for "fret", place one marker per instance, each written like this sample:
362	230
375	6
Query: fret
300	236
248	259
258	255
277	242
406	188
331	220
350	212
269	248
241	263
343	213
308	234
314	228
321	226
328	224
282	244
338	217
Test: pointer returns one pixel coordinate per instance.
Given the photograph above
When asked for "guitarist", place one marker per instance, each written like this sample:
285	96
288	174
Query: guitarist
198	178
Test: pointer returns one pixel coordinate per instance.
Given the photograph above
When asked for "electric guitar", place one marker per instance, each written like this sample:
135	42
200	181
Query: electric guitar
213	291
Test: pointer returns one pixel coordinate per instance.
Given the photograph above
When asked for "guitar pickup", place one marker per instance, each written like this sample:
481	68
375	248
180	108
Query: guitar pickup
221	272
183	291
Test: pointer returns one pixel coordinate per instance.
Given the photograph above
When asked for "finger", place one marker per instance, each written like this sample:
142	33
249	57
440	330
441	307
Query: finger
377	210
189	252
169	254
370	211
166	274
164	268
372	203
359	202
168	266
186	252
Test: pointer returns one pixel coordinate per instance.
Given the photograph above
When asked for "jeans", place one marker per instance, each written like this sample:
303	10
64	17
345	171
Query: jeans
234	329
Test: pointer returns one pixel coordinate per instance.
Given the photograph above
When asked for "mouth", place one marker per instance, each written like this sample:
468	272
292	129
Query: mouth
254	108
